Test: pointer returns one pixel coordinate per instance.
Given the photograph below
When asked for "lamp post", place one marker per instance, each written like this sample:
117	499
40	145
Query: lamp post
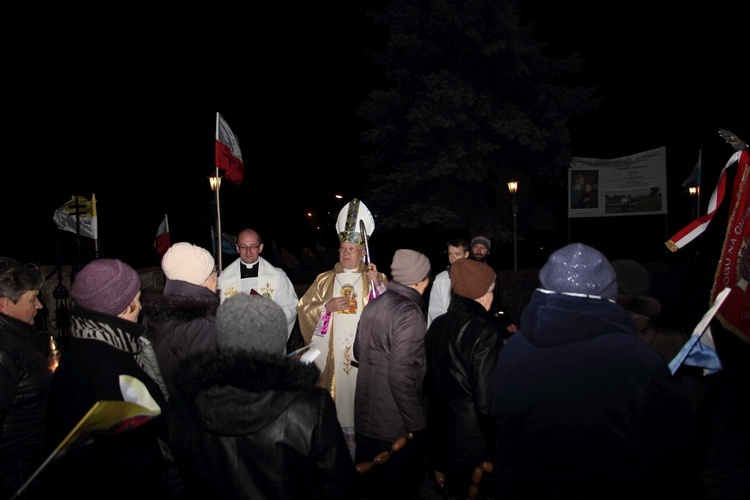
215	183
513	188
695	192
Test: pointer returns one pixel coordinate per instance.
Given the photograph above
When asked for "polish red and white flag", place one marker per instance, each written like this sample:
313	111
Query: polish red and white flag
228	153
162	243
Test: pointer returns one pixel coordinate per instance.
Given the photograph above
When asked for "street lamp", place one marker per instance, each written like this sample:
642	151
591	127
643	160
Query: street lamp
513	188
215	182
695	192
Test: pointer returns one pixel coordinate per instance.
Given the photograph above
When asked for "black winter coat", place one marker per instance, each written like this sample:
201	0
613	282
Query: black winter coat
252	425
102	349
588	410
389	347
24	384
462	347
179	321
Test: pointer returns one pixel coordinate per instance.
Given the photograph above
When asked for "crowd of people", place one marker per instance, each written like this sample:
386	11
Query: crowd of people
403	378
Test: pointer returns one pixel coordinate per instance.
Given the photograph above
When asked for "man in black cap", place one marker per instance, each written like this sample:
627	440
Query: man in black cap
480	251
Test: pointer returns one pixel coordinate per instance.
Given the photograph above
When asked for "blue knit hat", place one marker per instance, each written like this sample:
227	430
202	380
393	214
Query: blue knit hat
578	268
106	286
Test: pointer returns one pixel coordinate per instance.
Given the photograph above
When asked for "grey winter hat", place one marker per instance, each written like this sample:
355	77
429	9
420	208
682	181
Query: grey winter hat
245	321
409	267
579	268
482	240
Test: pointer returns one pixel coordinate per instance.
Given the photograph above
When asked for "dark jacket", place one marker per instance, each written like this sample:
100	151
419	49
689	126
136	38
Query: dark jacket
389	347
498	312
134	463
588	410
179	321
253	425
462	347
24	383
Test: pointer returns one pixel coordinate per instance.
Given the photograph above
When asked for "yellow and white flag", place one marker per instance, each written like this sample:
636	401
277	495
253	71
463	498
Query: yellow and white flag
78	214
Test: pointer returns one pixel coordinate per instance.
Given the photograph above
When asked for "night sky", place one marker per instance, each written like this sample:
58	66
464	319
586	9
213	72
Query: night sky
130	115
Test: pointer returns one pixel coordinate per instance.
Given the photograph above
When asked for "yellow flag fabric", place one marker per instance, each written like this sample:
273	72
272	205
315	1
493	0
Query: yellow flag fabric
78	214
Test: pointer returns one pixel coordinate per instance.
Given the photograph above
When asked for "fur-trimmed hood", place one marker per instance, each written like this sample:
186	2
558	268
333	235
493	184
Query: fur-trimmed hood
257	386
184	303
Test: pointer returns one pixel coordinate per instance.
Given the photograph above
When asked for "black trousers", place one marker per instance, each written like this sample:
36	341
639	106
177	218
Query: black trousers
397	478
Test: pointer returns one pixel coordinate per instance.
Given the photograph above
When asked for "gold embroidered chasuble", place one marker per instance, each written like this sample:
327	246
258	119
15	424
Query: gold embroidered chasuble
338	373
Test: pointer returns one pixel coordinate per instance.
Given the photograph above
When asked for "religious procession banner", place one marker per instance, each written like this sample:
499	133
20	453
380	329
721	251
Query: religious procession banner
733	269
629	185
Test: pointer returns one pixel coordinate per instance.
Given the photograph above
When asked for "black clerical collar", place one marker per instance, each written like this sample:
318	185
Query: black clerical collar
248	272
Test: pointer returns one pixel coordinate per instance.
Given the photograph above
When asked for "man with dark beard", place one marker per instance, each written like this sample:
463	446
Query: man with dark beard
480	251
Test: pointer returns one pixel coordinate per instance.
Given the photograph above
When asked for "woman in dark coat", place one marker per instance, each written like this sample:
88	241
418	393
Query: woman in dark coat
182	319
106	358
248	422
24	375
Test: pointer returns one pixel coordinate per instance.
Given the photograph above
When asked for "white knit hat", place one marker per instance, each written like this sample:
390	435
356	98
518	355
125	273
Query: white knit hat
187	262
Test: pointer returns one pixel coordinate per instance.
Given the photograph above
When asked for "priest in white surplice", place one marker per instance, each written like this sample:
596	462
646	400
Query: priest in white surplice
253	274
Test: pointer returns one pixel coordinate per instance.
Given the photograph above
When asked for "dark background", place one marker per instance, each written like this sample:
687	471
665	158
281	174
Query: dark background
129	114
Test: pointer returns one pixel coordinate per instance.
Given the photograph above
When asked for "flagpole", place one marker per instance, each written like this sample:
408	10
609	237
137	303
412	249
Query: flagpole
218	221
698	199
94	214
78	263
218	202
